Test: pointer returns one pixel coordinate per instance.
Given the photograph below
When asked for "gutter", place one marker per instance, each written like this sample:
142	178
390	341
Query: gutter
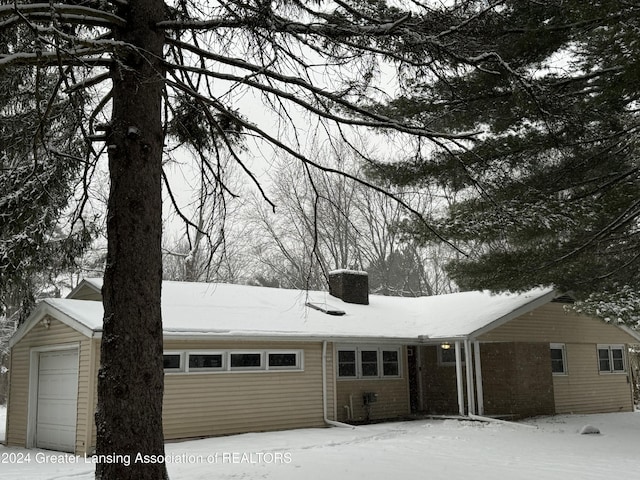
326	420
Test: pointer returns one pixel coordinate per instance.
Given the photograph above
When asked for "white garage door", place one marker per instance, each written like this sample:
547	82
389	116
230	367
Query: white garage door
57	400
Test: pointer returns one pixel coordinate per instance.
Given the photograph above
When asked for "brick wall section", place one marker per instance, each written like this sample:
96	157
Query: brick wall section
439	384
517	380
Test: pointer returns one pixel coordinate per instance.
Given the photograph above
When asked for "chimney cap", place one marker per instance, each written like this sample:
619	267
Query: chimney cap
346	270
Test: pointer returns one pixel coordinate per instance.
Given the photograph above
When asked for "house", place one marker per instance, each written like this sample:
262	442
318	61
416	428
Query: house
243	358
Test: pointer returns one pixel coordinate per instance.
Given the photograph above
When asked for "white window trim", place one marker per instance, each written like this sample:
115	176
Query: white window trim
443	363
610	347
187	369
380	349
247	352
226	362
299	360
181	368
563	348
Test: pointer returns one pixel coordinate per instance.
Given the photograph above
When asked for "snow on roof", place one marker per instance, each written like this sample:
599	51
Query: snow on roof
241	310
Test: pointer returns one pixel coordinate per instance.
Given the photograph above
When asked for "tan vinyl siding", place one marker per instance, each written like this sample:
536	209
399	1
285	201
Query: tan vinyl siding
585	389
207	404
552	323
39	336
93	398
392	396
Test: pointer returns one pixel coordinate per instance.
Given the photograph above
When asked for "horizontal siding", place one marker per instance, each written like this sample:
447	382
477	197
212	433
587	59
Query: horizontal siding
585	390
39	336
209	404
552	323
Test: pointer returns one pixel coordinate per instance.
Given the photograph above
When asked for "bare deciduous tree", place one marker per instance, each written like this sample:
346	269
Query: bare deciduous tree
139	71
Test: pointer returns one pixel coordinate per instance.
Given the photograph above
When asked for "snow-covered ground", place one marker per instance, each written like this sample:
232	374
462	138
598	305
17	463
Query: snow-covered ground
548	448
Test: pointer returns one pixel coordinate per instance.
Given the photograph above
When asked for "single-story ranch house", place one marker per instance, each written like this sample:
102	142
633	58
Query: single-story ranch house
243	358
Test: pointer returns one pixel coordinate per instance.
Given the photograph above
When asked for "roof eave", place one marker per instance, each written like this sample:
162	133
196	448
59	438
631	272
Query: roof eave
43	309
84	283
526	308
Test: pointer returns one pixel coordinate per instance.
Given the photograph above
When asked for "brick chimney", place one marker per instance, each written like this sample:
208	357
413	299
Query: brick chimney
350	286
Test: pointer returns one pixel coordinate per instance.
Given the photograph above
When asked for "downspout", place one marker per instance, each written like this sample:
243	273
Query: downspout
326	420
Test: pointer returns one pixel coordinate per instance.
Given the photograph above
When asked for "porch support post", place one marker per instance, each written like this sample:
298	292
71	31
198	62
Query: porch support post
479	391
420	381
468	358
459	379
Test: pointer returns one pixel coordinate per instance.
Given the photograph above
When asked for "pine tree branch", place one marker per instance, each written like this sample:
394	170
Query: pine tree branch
60	12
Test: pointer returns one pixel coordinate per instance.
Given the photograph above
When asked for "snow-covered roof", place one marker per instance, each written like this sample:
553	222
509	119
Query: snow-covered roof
195	309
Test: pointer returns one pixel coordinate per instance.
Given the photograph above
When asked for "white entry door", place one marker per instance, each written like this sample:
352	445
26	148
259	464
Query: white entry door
57	400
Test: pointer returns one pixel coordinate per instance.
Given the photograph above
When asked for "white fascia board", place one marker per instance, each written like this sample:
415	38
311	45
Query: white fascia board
526	308
288	338
630	331
42	310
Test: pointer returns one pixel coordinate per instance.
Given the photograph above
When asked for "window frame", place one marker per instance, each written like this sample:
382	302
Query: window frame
297	367
222	368
446	363
181	355
252	368
563	348
226	361
359	371
355	363
610	348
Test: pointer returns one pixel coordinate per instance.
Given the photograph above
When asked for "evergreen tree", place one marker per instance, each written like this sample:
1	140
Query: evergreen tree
150	68
550	192
42	159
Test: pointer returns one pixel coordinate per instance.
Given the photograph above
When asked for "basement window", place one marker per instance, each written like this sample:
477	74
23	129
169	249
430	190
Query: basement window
611	359
558	359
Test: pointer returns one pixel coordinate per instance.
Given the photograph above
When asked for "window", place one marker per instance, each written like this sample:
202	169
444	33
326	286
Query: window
558	359
252	360
390	363
205	362
347	363
447	354
226	361
283	361
611	358
368	362
172	362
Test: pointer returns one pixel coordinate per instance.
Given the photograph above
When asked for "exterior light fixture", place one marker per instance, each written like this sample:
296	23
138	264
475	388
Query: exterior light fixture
445	346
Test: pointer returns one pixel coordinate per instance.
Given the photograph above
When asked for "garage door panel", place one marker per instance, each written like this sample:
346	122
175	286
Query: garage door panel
57	400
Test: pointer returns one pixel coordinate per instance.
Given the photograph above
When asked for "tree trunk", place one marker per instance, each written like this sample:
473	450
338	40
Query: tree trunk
131	379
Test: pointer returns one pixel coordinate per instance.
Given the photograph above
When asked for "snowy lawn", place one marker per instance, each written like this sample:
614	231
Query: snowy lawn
550	448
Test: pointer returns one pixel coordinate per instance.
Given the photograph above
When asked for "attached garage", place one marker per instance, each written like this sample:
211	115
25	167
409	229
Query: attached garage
56	399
